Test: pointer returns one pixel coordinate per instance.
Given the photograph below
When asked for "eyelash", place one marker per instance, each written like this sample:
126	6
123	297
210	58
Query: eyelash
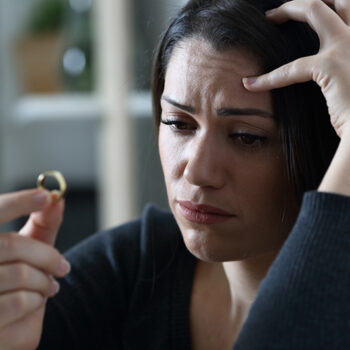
254	141
175	124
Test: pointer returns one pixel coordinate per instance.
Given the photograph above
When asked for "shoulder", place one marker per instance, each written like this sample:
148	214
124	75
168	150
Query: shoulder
153	221
123	246
309	281
109	277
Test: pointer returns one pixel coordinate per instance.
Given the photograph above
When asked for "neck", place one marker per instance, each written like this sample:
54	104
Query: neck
221	311
243	279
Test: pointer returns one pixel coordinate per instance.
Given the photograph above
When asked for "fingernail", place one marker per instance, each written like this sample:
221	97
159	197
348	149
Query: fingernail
270	12
64	267
41	198
249	81
55	287
56	196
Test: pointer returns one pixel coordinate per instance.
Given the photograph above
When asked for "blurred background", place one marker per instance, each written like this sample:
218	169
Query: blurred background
75	97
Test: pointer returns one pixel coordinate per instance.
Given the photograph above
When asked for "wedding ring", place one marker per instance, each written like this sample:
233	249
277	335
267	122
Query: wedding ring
59	178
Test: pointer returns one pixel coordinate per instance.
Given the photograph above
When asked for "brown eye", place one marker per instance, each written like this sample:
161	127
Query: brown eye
178	125
249	140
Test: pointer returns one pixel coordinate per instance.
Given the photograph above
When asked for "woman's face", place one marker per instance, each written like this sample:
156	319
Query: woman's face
221	156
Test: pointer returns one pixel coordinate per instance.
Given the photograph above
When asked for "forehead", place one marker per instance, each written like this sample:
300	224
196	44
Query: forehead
197	72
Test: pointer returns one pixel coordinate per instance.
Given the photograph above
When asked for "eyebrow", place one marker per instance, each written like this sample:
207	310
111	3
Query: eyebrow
227	112
188	109
222	112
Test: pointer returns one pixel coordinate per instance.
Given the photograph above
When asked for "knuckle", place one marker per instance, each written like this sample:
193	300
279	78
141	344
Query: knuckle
294	68
4	242
330	60
285	71
8	242
52	260
327	59
19	302
314	6
21	272
24	301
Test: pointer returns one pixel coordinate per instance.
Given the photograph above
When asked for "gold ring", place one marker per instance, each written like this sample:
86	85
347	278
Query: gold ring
60	179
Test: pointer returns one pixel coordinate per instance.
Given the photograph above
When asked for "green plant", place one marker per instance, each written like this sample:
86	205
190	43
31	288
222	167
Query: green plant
47	16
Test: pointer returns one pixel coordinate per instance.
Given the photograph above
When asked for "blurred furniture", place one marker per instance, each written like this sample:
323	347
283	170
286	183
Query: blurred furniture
102	141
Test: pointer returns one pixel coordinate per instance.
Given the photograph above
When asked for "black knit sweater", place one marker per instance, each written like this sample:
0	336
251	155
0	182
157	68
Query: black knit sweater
130	287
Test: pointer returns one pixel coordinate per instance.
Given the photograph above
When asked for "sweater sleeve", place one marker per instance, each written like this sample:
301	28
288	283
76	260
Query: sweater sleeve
304	301
90	310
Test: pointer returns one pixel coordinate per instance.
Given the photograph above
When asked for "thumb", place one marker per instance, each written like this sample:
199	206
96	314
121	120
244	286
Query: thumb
44	225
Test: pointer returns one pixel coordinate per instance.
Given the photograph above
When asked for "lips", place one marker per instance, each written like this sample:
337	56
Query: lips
203	214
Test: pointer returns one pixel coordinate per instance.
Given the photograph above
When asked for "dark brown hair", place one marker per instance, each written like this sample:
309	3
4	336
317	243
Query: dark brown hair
308	139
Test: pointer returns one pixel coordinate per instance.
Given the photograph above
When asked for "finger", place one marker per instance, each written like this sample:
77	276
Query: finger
15	248
298	71
24	333
323	20
17	204
44	225
342	7
15	277
16	305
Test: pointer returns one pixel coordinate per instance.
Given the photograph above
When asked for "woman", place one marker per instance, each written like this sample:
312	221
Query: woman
237	159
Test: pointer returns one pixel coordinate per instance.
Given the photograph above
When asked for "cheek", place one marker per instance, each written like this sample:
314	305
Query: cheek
267	178
268	199
170	156
260	184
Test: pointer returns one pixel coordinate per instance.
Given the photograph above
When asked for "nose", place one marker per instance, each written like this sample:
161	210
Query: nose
205	165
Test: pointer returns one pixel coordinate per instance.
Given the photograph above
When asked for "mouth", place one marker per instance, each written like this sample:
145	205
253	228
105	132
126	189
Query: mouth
203	214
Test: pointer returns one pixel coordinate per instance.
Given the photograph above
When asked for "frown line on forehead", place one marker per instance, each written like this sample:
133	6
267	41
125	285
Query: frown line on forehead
222	112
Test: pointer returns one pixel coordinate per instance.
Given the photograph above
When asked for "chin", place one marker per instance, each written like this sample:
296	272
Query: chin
205	248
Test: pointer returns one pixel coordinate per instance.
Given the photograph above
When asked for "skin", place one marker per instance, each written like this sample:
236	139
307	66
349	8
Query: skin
28	263
22	300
